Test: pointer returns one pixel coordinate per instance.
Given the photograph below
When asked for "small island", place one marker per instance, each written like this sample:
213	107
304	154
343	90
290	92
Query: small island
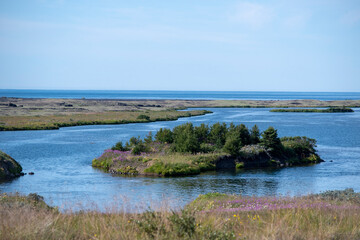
308	110
189	150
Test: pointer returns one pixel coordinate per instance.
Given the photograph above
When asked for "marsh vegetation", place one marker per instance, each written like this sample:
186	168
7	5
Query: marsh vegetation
328	215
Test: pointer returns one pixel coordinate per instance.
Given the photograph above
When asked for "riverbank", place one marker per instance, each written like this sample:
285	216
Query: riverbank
329	215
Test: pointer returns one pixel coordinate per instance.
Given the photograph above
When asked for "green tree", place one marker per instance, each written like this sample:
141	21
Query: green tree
164	136
139	148
202	133
218	134
255	135
243	134
271	140
149	138
119	146
239	131
232	145
185	139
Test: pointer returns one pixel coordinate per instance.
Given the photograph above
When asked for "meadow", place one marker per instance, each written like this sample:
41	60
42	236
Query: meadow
329	215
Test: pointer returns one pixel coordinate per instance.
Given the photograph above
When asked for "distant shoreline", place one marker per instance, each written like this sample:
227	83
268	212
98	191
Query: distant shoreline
52	113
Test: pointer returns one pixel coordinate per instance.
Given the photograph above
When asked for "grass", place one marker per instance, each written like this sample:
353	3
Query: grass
11	123
329	110
156	163
331	215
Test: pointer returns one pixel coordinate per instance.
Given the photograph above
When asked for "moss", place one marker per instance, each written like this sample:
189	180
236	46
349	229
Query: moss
127	170
172	169
239	165
102	164
205	163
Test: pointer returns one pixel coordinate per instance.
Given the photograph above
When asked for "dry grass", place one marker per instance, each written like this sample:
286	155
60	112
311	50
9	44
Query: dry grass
321	219
56	121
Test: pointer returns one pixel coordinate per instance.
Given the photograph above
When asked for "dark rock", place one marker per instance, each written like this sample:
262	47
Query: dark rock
225	162
255	156
68	105
122	104
12	105
9	168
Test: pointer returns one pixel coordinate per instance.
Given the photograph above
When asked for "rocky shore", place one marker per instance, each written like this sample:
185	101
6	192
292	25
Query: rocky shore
9	168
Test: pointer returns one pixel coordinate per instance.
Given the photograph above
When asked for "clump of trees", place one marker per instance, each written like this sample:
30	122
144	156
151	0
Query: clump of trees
219	137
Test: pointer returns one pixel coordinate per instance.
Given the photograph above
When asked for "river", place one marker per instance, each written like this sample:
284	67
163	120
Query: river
61	160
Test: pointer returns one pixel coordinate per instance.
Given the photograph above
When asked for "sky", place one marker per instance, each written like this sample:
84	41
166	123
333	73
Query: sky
210	45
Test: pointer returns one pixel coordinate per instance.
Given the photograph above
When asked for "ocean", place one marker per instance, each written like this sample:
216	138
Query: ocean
199	95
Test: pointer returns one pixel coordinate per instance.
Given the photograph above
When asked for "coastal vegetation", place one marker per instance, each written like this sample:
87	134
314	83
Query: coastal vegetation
9	168
43	113
328	215
328	110
37	122
188	150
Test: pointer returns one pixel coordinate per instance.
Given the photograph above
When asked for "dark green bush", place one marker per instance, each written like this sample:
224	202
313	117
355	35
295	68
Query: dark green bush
151	223
183	223
164	135
143	117
119	146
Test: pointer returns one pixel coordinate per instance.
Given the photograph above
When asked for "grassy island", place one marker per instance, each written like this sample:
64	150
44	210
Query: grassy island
328	215
189	149
328	110
12	123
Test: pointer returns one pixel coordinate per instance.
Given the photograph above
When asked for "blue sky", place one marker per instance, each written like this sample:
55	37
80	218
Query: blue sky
180	45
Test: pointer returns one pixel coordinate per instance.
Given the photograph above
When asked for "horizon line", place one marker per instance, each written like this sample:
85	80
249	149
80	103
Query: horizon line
34	89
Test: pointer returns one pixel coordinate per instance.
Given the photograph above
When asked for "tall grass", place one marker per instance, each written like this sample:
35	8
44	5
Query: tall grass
211	216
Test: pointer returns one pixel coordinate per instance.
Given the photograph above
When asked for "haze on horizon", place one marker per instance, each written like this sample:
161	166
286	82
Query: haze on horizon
275	45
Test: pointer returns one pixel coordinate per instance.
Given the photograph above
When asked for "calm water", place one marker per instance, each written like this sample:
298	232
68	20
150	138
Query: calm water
61	160
101	94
